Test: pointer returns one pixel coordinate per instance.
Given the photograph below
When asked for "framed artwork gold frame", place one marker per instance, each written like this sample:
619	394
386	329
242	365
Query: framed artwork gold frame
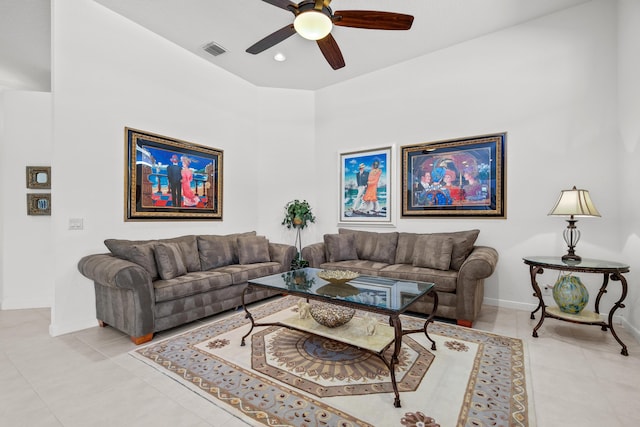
463	177
171	179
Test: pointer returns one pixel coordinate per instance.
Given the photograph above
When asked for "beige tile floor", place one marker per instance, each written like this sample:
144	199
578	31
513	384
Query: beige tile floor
87	378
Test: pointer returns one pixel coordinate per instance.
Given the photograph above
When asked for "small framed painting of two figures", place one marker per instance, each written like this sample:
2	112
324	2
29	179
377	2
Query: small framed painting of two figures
366	186
455	178
170	179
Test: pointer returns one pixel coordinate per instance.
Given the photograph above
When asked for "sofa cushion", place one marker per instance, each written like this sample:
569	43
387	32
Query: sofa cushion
190	284
253	249
463	242
170	260
340	247
445	280
217	251
372	246
433	251
136	251
242	273
404	249
189	247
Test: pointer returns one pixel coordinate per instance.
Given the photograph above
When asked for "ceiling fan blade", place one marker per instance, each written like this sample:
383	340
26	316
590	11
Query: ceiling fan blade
331	52
372	20
272	39
283	4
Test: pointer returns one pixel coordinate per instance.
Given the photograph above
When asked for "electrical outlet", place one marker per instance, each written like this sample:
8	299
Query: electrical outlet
546	290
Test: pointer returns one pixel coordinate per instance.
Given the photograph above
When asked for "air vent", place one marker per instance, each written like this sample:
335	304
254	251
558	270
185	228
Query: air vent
214	49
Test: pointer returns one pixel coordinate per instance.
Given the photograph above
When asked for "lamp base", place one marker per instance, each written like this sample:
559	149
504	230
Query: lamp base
571	257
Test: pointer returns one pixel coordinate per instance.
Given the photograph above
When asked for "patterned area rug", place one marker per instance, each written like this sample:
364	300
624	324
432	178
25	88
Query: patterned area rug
284	377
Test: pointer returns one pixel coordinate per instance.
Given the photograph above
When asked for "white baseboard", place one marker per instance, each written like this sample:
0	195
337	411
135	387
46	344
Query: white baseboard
21	304
57	329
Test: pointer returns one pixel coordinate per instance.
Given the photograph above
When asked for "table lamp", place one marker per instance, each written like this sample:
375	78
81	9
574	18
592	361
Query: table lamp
573	203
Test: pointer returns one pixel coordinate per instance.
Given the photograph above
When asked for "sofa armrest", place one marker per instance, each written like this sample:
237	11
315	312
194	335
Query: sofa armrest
314	254
125	296
479	265
282	254
115	272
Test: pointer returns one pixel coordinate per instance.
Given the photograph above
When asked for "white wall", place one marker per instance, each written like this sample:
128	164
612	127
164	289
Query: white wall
629	112
119	74
26	244
550	83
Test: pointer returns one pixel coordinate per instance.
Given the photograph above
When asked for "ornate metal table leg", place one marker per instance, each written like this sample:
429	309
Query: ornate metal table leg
536	289
533	272
397	327
247	315
618	304
433	294
602	291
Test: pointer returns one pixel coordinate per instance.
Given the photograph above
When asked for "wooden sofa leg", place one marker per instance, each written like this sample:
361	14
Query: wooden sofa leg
143	339
102	324
465	323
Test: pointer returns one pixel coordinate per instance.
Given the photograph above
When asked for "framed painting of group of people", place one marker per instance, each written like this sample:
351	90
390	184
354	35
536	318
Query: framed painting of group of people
455	178
169	179
365	185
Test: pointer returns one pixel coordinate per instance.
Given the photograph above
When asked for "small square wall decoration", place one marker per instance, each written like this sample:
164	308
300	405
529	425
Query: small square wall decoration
39	177
38	204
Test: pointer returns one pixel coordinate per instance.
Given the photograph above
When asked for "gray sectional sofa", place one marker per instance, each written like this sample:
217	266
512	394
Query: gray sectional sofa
147	286
450	260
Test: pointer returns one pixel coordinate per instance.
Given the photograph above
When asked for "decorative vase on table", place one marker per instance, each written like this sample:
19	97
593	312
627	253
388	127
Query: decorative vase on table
570	294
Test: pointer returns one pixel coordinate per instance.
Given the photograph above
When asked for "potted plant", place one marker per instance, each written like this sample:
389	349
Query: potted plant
298	215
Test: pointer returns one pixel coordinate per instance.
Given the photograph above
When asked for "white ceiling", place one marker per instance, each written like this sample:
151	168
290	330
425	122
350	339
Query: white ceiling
237	24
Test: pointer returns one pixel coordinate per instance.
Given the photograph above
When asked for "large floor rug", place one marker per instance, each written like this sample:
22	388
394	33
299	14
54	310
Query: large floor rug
284	377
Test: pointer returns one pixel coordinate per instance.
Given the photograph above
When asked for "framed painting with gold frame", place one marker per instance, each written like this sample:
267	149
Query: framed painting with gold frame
171	179
455	178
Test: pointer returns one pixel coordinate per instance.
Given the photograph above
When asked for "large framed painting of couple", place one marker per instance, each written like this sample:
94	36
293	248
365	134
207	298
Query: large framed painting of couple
366	186
171	179
455	178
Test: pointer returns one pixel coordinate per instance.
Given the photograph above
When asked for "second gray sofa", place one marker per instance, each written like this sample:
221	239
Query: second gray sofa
450	260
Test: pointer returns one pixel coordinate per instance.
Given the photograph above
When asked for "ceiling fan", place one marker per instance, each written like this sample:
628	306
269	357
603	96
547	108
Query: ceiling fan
314	20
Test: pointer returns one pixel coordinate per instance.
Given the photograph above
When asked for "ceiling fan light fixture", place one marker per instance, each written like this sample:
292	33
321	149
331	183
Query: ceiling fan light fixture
313	25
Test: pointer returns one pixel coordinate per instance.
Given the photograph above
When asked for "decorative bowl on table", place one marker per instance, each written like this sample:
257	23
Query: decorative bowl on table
330	315
338	290
337	277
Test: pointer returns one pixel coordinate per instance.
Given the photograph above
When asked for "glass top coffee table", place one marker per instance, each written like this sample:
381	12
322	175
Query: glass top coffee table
370	294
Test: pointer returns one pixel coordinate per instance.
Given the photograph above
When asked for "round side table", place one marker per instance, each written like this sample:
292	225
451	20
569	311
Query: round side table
609	270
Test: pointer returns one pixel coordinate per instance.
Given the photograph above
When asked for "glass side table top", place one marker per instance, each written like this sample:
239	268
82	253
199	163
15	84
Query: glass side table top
375	292
584	264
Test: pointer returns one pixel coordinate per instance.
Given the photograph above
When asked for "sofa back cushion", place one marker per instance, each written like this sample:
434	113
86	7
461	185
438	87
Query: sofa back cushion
253	249
433	251
136	251
142	252
372	246
170	260
463	242
406	244
189	248
340	247
219	251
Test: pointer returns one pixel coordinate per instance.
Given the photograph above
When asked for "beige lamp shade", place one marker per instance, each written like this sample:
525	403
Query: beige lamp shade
574	202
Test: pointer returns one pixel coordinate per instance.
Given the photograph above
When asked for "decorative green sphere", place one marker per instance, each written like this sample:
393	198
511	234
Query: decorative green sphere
570	294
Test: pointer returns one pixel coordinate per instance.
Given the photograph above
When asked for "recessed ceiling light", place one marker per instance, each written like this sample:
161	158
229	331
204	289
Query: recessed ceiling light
280	57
